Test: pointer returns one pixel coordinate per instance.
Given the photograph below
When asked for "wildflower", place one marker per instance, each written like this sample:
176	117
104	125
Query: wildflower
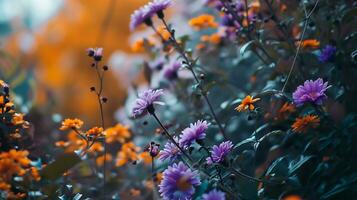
144	103
292	197
71	124
213	39
153	149
214	195
203	21
35	173
285	110
218	153
127	153
96	53
145	13
96	147
247	103
18	119
170	72
302	125
178	182
139	17
311	43
311	91
142	44
170	152
165	34
158	6
95	132
327	53
145	157
117	133
100	159
193	133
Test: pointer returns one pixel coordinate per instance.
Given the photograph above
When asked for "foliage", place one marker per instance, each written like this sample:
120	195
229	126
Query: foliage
255	101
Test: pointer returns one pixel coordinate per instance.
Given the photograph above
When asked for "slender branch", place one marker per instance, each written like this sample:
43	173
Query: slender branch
307	17
99	96
190	65
170	136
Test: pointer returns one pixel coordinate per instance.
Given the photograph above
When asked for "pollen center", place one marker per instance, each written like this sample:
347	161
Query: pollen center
183	183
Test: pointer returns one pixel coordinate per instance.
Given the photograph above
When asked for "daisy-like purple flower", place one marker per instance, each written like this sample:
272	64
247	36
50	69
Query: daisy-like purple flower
214	195
146	12
218	153
178	182
311	92
158	6
327	53
170	72
139	17
145	102
170	152
193	133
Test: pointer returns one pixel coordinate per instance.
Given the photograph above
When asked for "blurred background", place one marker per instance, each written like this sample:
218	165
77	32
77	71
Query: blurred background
43	58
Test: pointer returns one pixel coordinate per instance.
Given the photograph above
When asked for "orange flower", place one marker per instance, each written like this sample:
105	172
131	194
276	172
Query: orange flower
100	159
141	45
254	6
285	110
71	124
96	147
128	153
2	100
18	119
35	174
118	133
4	186
95	132
145	156
163	32
247	103
292	197
302	125
203	21
312	43
214	38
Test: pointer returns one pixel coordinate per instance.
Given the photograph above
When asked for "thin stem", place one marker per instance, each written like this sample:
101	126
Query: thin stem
307	16
239	173
99	95
170	136
190	65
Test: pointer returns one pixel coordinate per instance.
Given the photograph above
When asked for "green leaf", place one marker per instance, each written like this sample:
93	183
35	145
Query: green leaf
294	166
63	163
347	184
247	46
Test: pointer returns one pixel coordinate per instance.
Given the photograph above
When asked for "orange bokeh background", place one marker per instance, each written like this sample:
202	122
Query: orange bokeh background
62	70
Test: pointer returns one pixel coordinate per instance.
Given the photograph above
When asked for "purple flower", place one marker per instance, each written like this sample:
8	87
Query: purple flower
146	12
140	16
311	91
145	101
193	133
327	53
170	72
96	53
218	153
158	6
170	151
178	182
214	195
